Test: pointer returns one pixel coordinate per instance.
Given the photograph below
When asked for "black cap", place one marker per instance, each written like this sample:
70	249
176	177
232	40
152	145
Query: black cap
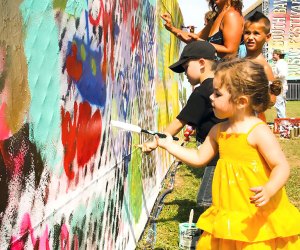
194	50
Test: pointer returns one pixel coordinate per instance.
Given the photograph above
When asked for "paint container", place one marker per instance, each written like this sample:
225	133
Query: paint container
271	126
294	133
291	132
188	235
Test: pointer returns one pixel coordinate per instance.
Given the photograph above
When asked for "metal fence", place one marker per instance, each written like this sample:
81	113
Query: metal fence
293	93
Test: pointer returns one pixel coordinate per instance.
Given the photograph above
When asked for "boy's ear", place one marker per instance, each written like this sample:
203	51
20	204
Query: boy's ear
268	37
201	61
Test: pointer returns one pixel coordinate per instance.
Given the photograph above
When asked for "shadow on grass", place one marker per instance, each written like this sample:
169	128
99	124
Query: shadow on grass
184	209
197	172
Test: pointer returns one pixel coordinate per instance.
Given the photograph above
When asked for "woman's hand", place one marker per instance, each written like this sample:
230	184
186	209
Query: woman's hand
195	37
167	18
187	37
261	196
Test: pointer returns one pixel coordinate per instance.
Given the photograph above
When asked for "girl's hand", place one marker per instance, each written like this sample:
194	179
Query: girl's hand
261	196
167	18
164	142
148	147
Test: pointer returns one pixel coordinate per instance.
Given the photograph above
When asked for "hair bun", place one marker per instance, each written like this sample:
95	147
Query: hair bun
275	87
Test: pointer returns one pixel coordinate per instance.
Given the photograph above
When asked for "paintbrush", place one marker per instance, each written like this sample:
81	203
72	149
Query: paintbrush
137	129
191	218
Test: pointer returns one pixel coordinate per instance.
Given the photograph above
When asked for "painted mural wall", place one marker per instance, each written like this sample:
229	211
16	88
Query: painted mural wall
68	180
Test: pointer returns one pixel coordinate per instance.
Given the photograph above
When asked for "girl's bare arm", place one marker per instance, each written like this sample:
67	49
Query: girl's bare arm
193	157
268	146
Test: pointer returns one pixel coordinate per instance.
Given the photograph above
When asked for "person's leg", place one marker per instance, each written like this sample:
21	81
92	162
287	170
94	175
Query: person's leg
280	106
204	196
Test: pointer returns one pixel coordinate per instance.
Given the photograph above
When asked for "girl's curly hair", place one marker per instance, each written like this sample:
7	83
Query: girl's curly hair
245	77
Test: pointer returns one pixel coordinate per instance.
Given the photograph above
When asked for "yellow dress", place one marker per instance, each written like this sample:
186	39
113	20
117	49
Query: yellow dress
232	222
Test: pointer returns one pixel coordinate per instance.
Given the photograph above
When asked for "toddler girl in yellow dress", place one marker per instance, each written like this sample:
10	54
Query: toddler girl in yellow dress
250	209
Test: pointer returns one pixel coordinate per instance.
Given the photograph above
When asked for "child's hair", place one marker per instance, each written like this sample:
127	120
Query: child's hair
245	77
258	16
276	87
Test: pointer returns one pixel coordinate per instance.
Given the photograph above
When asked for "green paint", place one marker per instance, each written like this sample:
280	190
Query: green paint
78	215
152	2
42	53
93	66
114	111
91	211
82	52
97	207
59	4
95	214
79	224
135	180
75	7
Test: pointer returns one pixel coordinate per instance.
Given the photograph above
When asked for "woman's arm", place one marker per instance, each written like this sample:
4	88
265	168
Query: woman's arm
193	157
268	146
232	29
183	35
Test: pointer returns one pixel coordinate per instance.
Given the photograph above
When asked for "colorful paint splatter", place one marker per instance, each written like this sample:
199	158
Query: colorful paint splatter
69	180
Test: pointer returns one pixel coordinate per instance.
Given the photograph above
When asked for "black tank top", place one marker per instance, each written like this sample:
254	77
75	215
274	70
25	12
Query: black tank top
216	38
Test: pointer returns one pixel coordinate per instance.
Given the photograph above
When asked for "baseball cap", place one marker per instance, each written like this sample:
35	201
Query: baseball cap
194	50
278	52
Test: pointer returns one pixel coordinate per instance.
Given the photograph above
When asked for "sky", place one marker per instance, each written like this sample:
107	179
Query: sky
193	11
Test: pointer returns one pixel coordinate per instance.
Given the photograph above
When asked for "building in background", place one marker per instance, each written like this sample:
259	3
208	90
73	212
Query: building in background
256	6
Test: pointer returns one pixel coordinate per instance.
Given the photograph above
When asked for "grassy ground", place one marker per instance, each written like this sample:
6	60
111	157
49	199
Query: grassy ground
292	110
183	198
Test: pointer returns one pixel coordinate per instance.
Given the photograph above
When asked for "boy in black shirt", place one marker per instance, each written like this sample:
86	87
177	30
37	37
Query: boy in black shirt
197	61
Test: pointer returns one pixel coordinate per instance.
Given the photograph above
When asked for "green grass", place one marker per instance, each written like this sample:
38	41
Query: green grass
183	198
292	110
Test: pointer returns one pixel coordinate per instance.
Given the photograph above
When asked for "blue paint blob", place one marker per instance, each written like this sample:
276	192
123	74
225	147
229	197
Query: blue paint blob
91	86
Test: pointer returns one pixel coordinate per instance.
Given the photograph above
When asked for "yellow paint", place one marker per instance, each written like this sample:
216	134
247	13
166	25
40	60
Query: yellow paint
167	91
82	52
93	66
11	39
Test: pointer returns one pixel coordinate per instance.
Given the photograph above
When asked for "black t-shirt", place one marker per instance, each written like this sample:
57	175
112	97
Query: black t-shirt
198	111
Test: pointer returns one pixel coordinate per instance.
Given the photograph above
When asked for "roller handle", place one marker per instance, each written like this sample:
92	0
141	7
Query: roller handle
160	135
